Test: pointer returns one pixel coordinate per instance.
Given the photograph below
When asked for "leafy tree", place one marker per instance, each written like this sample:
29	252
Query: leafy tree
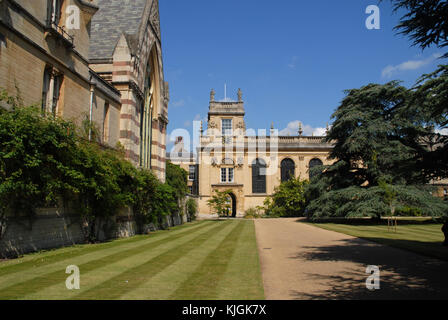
373	202
164	202
288	199
34	156
425	22
219	202
377	138
192	208
431	104
177	178
45	160
374	137
143	202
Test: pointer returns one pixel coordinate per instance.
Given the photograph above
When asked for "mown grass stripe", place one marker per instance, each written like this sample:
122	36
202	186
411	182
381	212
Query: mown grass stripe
202	284
242	279
162	285
134	277
21	289
29	274
75	251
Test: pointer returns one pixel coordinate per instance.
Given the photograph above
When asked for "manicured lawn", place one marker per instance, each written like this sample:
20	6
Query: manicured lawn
425	239
204	260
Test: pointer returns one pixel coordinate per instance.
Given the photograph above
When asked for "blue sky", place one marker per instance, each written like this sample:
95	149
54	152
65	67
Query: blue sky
291	58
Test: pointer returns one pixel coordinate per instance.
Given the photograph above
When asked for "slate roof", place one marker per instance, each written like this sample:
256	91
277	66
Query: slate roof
113	18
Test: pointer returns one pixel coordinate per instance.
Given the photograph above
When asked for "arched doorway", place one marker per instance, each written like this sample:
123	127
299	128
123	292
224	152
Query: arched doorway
232	200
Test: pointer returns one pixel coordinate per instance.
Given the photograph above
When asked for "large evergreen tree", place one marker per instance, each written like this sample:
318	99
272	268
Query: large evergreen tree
425	22
378	150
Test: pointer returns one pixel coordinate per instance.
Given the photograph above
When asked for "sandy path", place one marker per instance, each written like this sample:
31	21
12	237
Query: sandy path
300	261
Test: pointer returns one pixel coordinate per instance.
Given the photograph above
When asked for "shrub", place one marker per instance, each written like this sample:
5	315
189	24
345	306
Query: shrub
288	199
253	213
192	208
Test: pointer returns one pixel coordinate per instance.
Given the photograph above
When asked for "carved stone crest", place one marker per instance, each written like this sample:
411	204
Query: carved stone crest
154	18
212	125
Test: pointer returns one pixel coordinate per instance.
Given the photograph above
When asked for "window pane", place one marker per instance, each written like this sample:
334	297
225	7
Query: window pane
223	175
258	176
226	126
192	171
230	175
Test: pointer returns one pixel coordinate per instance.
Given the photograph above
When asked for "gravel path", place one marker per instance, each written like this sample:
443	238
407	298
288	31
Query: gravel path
299	261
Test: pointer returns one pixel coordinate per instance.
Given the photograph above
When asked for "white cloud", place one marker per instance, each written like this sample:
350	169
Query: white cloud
178	103
390	70
293	130
293	63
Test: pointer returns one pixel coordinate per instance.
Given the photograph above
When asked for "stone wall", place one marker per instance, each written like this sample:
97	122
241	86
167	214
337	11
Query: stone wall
52	228
49	229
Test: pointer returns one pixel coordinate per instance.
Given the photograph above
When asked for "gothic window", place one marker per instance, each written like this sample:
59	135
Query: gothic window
258	176
145	119
314	163
287	169
191	172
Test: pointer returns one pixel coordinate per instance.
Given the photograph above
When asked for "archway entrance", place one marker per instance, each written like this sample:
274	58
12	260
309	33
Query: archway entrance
232	200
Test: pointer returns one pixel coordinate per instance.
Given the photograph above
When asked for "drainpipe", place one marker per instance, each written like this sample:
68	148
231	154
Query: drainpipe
92	92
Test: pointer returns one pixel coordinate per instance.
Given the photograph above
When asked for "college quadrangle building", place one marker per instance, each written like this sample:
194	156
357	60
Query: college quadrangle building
232	157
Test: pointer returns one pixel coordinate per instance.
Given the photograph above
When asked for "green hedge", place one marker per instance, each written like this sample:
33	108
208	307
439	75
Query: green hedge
45	160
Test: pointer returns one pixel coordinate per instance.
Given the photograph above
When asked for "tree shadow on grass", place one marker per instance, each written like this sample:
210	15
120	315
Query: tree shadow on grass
403	275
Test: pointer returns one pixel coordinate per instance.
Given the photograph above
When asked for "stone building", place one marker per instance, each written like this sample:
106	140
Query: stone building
46	61
231	157
91	59
126	51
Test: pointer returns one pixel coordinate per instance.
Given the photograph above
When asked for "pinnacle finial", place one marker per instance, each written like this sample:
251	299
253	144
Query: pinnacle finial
240	95
272	125
300	129
212	95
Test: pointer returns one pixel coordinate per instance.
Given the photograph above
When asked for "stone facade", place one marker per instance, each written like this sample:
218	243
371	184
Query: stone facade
108	69
47	64
126	52
232	157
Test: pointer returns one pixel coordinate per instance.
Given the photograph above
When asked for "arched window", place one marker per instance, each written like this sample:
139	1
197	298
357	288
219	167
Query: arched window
314	163
258	176
287	169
